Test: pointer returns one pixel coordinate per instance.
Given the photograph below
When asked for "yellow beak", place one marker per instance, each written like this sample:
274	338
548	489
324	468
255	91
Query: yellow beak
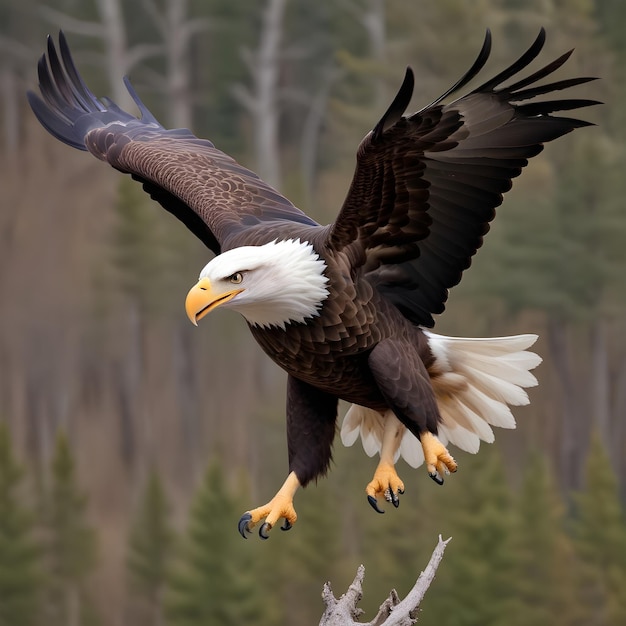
202	299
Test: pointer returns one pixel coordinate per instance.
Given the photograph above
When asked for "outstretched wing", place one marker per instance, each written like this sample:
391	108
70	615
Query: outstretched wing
426	186
207	190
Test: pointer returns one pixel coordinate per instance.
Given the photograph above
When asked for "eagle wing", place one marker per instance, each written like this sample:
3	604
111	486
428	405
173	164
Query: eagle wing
426	186
206	189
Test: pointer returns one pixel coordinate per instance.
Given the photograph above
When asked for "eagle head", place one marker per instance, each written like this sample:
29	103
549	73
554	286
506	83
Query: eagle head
275	284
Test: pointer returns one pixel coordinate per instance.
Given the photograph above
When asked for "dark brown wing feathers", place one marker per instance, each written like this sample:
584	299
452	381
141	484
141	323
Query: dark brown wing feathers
422	197
426	187
206	189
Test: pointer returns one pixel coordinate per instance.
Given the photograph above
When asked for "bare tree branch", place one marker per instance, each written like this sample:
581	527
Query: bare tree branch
72	24
140	52
393	611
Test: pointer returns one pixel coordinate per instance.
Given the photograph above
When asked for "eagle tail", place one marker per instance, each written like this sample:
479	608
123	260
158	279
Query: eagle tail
475	382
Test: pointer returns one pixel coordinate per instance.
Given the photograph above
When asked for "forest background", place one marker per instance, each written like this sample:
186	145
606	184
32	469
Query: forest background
131	442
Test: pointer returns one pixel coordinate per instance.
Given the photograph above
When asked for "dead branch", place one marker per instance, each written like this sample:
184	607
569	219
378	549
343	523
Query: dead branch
393	611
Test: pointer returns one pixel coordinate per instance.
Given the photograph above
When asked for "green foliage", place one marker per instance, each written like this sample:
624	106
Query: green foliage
135	245
150	549
544	593
600	541
70	541
20	573
475	586
311	558
215	580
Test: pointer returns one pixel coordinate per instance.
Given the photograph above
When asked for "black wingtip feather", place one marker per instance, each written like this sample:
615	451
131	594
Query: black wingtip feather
81	91
397	107
528	57
67	108
473	71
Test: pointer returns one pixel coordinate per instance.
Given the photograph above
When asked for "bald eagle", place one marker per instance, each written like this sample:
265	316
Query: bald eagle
345	308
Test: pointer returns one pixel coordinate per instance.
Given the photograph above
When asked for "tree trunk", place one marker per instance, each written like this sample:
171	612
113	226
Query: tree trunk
375	24
572	411
116	49
261	101
309	142
600	384
10	108
178	65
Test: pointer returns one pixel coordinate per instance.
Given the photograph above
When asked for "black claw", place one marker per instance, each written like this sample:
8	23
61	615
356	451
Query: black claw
374	504
436	477
287	525
243	525
395	500
264	530
400	491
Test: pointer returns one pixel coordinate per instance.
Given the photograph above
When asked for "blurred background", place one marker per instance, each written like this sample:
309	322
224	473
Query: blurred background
131	442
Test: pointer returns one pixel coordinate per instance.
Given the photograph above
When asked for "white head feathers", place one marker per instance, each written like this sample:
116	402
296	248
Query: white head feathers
282	281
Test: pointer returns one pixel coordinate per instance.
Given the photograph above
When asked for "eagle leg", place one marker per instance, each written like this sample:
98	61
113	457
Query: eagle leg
386	481
281	505
438	459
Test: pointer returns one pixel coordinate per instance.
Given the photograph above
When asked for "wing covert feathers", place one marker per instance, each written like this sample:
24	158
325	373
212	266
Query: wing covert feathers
206	189
426	186
474	380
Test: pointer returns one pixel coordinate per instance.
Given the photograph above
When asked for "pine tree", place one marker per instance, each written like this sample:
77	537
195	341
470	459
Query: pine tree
71	542
600	541
544	556
136	246
20	574
151	546
474	584
395	545
214	583
310	555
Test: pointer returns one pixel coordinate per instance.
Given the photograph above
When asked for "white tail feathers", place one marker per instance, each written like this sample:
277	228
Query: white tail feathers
474	381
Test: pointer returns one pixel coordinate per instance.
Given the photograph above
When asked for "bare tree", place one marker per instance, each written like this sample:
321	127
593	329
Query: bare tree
120	58
176	30
393	611
261	100
15	57
372	16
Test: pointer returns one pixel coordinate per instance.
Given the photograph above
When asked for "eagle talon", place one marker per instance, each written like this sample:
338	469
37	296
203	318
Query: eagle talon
374	504
264	530
438	459
395	500
436	477
244	526
280	506
387	484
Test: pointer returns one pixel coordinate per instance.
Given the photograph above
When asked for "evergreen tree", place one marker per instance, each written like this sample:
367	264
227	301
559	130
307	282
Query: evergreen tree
214	583
544	557
136	249
600	541
20	575
307	561
71	542
397	544
474	584
151	546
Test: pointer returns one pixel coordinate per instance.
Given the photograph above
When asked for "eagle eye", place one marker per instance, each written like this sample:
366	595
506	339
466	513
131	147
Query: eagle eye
236	278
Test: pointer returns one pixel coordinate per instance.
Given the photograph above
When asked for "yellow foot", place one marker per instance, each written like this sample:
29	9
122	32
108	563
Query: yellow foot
281	505
438	459
386	483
